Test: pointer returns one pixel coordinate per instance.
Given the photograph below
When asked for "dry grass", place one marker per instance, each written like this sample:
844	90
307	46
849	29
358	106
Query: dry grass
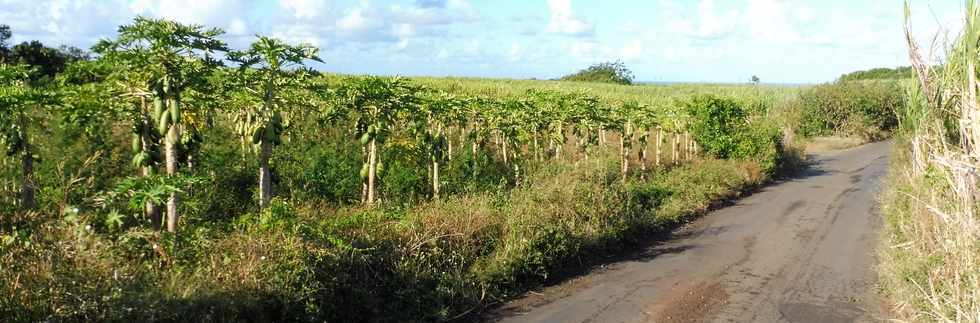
931	263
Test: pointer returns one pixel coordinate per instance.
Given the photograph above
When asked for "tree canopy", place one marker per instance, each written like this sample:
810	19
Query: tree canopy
882	73
608	72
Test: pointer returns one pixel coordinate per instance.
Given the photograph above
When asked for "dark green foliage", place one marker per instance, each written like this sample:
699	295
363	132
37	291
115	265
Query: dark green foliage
762	142
721	126
5	35
717	123
882	73
608	72
862	109
46	61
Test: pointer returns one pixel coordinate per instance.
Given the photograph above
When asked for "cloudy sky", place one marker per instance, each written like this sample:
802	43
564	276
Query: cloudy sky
784	41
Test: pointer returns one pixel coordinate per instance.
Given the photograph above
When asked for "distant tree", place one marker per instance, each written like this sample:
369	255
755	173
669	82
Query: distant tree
879	74
608	72
755	80
5	35
45	61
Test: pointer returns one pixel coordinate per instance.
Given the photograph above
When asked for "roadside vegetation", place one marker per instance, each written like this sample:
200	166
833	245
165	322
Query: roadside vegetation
151	182
931	254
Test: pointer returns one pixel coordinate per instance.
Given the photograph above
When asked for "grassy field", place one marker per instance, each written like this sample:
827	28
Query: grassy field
140	190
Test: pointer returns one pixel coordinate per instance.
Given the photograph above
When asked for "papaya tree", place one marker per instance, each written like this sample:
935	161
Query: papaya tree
376	104
104	89
587	117
30	90
438	111
177	57
265	74
19	102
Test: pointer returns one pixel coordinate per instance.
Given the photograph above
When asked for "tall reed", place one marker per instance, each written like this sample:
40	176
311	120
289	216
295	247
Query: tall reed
931	264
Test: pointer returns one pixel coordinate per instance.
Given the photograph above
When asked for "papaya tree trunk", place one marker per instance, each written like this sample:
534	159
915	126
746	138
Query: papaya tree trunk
170	149
475	160
643	155
560	143
152	211
449	142
265	176
435	178
364	185
624	151
27	184
674	149
27	166
372	170
537	156
658	145
504	144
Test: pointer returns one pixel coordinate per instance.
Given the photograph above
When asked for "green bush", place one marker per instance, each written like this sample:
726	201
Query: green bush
716	123
864	109
721	127
761	142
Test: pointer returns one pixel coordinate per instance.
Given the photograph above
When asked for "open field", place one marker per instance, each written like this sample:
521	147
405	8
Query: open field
167	175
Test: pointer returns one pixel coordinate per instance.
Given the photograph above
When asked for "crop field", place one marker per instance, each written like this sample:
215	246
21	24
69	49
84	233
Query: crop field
166	175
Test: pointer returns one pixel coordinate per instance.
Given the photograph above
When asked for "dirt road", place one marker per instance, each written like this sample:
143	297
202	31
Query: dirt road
798	251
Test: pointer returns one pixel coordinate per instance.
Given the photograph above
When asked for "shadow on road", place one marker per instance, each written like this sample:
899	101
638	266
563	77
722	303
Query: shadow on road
654	245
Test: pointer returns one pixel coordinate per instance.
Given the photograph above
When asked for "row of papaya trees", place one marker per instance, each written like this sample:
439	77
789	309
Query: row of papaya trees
171	81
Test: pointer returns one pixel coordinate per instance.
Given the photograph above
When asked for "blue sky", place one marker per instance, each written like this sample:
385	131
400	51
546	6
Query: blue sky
781	41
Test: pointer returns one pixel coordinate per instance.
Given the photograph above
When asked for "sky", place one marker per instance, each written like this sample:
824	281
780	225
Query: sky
781	41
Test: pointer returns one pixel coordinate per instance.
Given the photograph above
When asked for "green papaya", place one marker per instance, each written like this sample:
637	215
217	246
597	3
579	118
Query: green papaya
157	107
175	111
164	124
277	119
365	138
257	135
364	170
380	168
139	159
137	143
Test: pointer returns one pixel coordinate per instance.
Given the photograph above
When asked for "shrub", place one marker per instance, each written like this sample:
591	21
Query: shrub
721	127
862	109
716	123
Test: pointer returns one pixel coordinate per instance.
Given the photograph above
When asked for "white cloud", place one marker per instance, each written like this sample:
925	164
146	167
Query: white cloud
632	51
355	21
237	27
515	53
206	12
771	20
430	12
711	24
563	21
584	49
305	9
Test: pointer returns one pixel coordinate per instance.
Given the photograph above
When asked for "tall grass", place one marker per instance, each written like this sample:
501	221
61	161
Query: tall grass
931	263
